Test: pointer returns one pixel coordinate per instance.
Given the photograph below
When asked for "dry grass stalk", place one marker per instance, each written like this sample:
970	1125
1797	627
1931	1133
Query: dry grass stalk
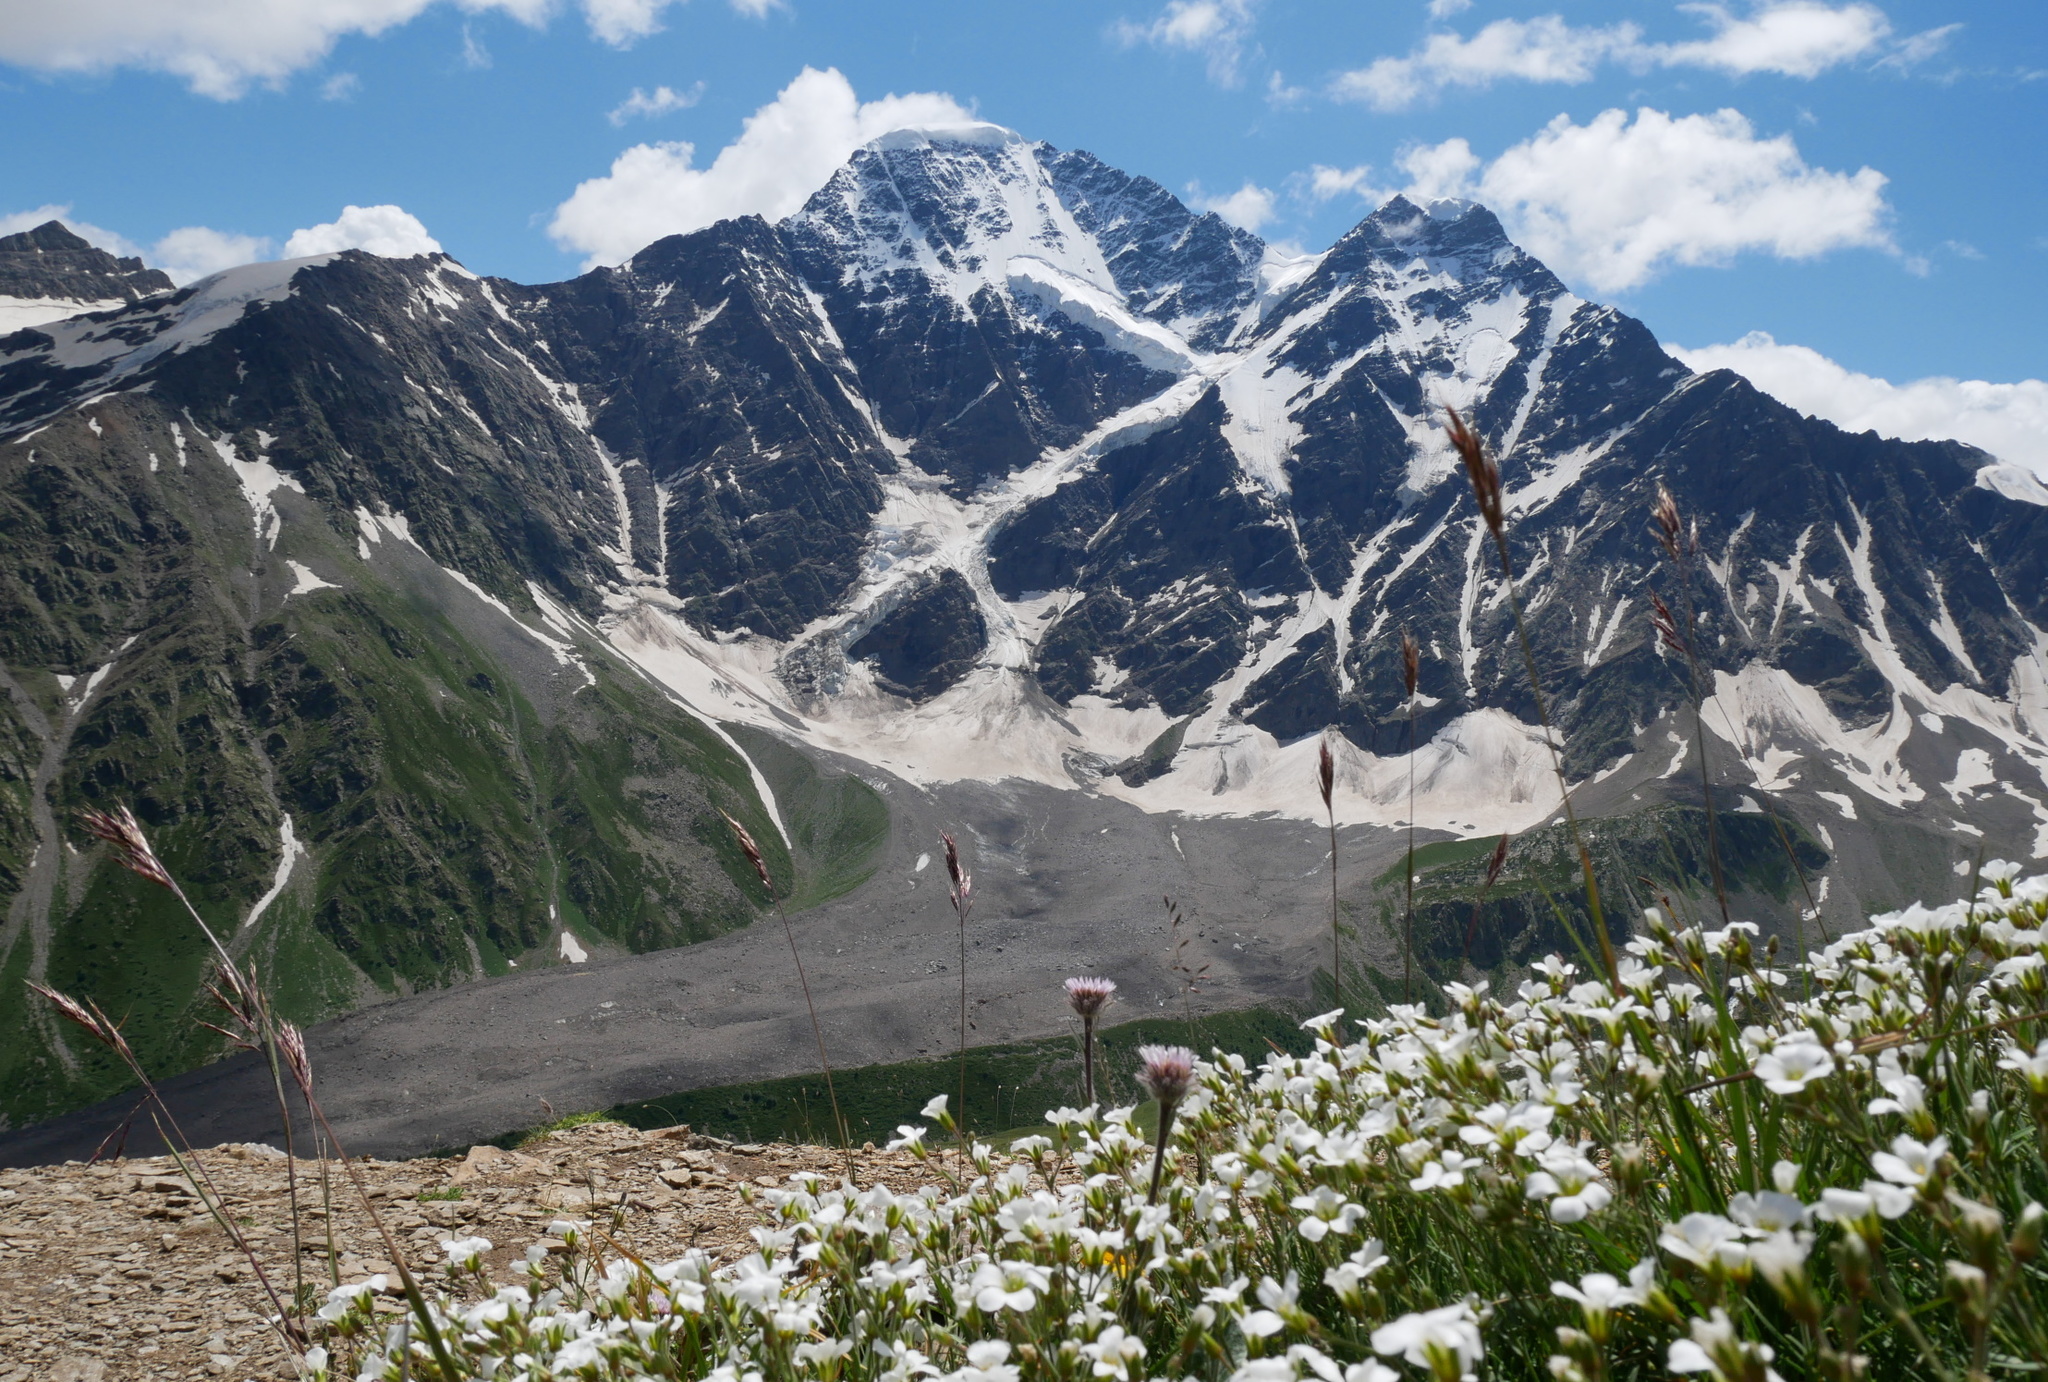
1681	542
1493	867
962	896
753	853
1326	780
1411	678
1190	976
287	1321
1484	473
243	998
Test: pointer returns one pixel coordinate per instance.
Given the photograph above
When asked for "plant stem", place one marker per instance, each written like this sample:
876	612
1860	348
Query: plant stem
1571	816
1159	1151
962	914
1408	929
817	1033
1088	1060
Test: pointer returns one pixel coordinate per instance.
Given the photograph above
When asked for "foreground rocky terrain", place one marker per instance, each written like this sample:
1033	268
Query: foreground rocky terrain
114	1271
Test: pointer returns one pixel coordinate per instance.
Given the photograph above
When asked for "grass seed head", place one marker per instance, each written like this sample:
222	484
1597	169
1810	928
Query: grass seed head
1411	663
963	881
1481	469
1326	771
752	851
1678	538
1666	626
132	851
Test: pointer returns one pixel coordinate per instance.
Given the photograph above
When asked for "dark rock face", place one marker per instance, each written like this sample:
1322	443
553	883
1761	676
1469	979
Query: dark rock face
52	262
706	368
1195	271
927	643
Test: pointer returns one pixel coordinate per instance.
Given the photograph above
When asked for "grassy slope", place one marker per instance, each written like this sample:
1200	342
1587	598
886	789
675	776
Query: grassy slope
1008	1087
445	798
1538	904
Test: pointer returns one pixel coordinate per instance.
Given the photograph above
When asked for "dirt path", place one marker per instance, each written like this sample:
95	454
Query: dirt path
114	1272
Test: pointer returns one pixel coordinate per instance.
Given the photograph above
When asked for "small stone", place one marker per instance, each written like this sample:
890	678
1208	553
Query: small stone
167	1241
677	1179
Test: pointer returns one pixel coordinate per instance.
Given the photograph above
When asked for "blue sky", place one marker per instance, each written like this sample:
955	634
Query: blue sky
1862	181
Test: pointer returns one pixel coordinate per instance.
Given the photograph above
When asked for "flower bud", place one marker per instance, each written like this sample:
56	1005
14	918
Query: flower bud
2025	1245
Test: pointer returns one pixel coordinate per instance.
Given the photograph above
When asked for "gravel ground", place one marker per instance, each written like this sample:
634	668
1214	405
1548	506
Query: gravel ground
114	1271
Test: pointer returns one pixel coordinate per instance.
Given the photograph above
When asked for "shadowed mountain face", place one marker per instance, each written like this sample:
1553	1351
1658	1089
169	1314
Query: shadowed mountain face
428	620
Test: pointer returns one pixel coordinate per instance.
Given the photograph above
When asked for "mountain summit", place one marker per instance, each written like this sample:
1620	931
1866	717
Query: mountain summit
431	619
49	273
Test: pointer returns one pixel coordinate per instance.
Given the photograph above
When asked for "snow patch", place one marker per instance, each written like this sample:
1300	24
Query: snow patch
259	480
289	850
305	582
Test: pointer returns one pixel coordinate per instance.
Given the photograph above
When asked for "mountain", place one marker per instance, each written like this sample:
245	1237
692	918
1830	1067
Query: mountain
429	620
48	273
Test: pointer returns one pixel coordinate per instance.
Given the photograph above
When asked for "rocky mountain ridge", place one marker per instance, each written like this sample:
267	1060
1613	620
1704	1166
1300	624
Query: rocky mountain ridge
460	606
48	273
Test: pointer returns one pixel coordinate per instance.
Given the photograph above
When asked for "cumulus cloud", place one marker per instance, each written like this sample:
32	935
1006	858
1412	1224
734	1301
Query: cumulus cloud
193	252
1792	38
391	231
1611	202
342	86
1796	39
786	150
1544	49
1220	30
643	105
221	48
1322	183
1249	207
2008	420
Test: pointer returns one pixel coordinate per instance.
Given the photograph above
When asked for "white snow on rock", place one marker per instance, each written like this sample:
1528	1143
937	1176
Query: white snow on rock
259	480
289	850
17	313
305	582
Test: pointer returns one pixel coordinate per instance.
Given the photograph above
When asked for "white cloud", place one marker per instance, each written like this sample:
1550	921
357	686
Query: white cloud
1793	38
1611	202
1800	38
786	151
342	86
660	101
193	252
1323	183
1444	9
2008	420
1544	49
1221	30
387	230
221	48
475	56
1249	207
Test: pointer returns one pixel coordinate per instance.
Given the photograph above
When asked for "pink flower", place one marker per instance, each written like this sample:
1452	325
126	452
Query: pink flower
1167	1072
1087	996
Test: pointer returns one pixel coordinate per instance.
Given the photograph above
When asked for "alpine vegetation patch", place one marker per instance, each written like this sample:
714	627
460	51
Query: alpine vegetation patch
1708	1162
